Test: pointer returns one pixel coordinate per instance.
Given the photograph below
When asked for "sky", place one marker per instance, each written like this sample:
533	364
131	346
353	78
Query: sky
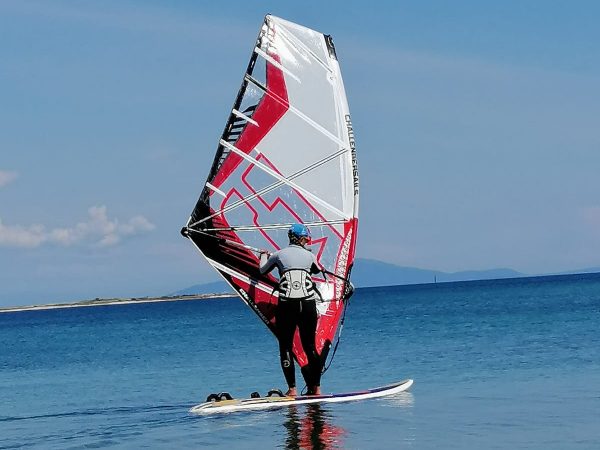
477	128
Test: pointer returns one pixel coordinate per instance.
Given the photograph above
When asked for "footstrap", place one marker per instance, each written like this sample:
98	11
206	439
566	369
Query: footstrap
277	392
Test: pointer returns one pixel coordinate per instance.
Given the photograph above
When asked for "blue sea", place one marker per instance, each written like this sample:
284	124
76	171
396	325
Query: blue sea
497	364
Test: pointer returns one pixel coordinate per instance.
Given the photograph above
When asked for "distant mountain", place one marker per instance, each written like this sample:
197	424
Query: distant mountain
370	272
216	287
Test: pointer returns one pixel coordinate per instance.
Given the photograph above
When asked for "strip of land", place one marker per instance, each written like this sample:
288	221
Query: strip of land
114	301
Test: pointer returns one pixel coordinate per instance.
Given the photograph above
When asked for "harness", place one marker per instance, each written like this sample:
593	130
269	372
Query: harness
297	284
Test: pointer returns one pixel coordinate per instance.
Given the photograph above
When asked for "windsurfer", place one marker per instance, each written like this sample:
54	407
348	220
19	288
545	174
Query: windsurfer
296	307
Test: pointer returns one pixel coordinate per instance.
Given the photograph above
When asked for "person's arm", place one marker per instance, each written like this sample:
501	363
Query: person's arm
267	262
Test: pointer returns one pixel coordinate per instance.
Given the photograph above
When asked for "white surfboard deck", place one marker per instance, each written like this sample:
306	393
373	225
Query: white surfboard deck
224	406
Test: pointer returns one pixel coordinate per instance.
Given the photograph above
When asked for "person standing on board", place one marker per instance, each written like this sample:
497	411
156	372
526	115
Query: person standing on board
296	307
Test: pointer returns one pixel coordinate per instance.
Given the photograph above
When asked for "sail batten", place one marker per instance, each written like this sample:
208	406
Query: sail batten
286	155
269	188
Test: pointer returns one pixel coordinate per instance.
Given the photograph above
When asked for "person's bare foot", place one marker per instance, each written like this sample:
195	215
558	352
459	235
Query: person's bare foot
291	392
315	390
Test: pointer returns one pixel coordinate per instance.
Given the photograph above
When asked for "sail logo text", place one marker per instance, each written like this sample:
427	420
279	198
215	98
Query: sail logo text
353	151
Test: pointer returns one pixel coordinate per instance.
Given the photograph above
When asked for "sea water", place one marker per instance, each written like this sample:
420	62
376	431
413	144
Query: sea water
497	364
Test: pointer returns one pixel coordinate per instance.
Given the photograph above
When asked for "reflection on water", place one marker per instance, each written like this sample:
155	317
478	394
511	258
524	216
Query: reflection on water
311	428
403	399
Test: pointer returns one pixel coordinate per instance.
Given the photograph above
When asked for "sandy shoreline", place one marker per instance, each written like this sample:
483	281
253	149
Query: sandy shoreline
113	301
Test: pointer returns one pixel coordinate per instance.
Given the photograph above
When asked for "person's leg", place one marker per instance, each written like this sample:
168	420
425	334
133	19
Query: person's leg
308	330
285	321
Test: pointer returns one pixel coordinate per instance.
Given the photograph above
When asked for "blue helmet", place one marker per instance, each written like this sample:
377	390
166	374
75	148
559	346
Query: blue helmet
299	230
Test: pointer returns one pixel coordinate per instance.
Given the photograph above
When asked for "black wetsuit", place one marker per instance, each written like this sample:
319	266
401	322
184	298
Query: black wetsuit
296	313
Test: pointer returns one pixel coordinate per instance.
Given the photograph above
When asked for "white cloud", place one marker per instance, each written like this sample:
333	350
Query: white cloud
7	177
19	236
98	230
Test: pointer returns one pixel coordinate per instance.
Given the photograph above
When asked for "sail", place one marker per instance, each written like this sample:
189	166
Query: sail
287	155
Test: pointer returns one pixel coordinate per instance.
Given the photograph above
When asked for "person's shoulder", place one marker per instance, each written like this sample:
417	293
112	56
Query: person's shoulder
297	248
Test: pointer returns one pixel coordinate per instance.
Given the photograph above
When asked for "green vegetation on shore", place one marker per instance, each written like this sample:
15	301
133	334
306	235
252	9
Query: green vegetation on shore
115	301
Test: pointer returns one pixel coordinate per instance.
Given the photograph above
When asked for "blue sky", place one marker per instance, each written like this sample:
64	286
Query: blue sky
476	124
